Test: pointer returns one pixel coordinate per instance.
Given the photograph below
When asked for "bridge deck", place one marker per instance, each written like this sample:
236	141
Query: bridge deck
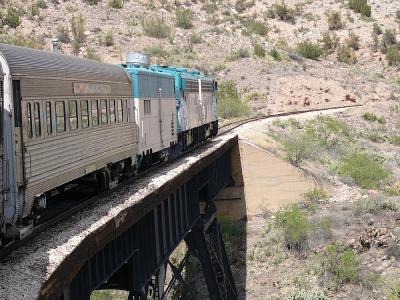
39	268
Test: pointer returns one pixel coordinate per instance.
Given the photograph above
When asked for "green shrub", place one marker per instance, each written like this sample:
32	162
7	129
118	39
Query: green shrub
394	291
308	295
335	21
219	67
108	39
393	56
92	2
328	43
41	4
195	38
12	18
338	266
240	53
63	35
315	195
157	51
346	55
295	226
240	5
229	103
376	136
366	172
91	54
256	27
78	29
117	4
33	11
353	41
282	12
388	40
360	6
309	50
275	54
210	7
22	41
299	148
370	117
156	27
184	18
395	140
373	205
259	50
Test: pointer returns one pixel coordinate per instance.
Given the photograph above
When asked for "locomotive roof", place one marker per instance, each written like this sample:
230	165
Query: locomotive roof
24	62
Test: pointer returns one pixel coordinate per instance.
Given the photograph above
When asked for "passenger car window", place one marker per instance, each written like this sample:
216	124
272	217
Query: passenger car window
104	112
147	107
84	114
49	118
30	124
120	111
36	109
112	111
60	116
73	115
95	113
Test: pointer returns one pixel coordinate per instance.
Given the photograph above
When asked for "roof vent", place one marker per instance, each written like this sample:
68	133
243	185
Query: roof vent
138	59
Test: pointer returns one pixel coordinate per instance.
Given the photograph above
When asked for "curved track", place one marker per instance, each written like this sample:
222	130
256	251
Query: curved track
57	216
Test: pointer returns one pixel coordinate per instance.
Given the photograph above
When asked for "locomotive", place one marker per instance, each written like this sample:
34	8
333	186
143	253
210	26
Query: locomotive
66	120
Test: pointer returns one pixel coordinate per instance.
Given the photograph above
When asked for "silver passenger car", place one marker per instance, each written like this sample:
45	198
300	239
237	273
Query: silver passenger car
62	118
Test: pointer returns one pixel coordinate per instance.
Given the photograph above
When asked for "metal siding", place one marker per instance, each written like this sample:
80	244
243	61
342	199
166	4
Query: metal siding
36	63
54	161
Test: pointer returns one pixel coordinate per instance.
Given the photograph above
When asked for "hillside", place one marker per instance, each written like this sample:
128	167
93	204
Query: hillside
355	57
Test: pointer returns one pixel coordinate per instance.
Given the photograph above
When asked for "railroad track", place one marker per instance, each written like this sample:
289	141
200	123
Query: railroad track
85	202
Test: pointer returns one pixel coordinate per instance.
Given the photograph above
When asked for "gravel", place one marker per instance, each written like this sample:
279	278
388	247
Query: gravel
25	270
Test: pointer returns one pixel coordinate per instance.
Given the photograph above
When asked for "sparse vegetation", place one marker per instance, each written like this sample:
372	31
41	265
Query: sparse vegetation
282	12
366	172
91	54
259	50
335	21
19	40
373	205
338	266
41	4
315	195
275	54
393	56
156	27
309	50
92	2
157	51
63	35
117	4
78	29
256	27
360	6
230	104
346	55
108	39
240	53
369	116
195	38
394	291
184	18
353	41
299	148
12	17
295	226
308	295
388	40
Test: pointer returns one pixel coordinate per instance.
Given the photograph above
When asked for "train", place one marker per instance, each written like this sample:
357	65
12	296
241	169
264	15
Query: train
67	120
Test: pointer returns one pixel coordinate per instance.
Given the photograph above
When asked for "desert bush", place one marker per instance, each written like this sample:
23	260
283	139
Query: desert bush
195	38
19	40
315	195
63	35
240	53
329	43
184	18
360	6
300	147
117	4
157	51
41	4
108	39
366	172
376	136
92	2
219	67
230	104
393	56
353	41
335	20
369	116
346	55
394	291
338	266
388	40
210	7
377	29
295	226
308	295
240	5
373	205
33	11
91	54
156	27
78	29
282	12
309	50
259	50
395	140
12	17
275	54
256	27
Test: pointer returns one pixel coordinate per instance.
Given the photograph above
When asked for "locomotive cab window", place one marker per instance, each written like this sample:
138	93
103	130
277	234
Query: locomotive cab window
84	114
49	118
60	116
73	115
95	113
104	112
